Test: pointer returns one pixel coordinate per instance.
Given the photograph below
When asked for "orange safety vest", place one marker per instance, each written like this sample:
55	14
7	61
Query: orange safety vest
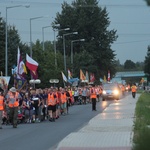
63	98
100	91
133	88
70	92
51	100
1	103
93	93
13	100
123	88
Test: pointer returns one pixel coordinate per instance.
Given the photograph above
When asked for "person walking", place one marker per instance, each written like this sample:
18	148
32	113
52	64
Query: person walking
63	99
1	108
133	90
51	105
93	97
13	98
84	95
35	100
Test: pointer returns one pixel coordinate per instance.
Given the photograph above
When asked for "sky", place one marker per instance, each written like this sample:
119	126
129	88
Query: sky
131	19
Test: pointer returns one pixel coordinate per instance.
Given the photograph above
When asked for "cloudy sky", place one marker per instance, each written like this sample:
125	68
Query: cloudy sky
131	19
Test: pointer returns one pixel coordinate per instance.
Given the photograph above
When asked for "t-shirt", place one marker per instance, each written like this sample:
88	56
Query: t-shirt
36	99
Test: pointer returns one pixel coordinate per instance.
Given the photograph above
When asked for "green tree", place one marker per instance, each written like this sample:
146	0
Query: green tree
139	66
46	60
147	62
119	67
129	65
2	45
148	2
13	43
91	22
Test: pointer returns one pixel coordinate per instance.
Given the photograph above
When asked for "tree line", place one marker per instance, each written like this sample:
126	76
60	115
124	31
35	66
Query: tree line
94	54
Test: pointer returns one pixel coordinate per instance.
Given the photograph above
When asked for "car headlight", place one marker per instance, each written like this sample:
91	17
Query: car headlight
116	92
104	92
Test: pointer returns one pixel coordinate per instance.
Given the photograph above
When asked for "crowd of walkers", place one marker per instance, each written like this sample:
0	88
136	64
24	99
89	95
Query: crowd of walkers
38	105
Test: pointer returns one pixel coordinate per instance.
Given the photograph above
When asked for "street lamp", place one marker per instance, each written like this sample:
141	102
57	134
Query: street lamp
6	37
65	47
31	33
55	42
79	40
43	35
33	82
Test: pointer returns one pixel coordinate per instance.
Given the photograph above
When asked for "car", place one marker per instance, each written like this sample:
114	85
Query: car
111	91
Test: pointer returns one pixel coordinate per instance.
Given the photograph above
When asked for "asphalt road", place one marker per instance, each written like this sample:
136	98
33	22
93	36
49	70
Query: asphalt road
46	135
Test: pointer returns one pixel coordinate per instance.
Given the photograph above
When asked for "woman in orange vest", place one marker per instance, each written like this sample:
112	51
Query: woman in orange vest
93	97
1	107
133	90
51	105
13	98
63	98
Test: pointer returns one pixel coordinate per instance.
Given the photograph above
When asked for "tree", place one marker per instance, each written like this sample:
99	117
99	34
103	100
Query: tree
129	65
147	62
119	67
148	2
2	45
91	22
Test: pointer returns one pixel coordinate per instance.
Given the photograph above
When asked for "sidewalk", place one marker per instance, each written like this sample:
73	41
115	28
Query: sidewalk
109	130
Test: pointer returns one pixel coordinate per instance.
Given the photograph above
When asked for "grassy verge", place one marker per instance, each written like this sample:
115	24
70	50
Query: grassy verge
141	137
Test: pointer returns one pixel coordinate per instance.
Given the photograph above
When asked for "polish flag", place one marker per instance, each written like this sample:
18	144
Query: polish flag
31	64
108	75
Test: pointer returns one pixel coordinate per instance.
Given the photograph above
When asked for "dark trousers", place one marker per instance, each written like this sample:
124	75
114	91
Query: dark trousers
13	115
133	94
93	103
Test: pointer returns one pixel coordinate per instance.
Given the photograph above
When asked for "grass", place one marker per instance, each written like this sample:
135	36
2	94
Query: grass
141	137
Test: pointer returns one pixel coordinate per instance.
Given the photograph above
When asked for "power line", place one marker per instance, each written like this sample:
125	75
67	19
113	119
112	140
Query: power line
54	3
132	42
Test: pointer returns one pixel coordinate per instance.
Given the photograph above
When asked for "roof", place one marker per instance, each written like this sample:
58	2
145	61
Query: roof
130	74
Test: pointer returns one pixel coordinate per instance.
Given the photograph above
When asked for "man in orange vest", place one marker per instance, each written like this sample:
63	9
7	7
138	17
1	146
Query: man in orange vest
13	98
93	97
63	99
51	105
133	90
1	107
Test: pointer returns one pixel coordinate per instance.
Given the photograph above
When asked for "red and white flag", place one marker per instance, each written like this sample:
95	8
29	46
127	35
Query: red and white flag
108	76
21	68
69	74
32	66
92	77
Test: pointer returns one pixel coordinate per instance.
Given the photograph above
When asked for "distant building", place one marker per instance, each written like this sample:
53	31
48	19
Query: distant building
122	77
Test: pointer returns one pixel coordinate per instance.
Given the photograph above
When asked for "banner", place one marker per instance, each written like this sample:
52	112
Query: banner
20	83
82	76
4	81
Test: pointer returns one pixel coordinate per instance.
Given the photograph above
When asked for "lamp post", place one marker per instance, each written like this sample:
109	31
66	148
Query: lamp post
33	82
79	40
54	81
6	37
43	35
65	47
31	33
55	42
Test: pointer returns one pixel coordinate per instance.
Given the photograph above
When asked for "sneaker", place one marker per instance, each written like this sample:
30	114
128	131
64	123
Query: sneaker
14	126
50	119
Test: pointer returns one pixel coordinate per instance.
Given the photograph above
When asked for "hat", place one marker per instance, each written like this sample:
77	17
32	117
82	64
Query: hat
13	89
